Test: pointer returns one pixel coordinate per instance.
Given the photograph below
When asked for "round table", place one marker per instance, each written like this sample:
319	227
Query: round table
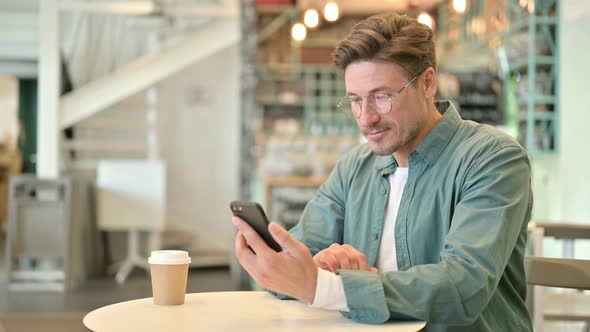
229	311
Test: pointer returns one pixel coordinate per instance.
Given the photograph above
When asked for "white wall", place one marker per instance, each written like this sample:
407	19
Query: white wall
199	113
575	110
575	115
561	183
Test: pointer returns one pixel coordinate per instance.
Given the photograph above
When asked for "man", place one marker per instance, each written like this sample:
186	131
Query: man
426	221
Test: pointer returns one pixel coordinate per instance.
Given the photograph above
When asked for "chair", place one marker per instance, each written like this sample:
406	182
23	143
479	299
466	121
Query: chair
558	272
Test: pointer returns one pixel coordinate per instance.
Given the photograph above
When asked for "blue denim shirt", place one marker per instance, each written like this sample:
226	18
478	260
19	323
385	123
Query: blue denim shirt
460	233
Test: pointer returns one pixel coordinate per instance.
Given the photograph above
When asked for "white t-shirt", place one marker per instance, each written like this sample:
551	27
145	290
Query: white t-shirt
329	292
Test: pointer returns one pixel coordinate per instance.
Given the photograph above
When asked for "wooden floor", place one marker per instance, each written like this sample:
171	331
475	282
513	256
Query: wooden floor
71	322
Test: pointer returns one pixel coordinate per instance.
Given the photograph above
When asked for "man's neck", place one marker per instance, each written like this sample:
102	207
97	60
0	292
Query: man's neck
402	155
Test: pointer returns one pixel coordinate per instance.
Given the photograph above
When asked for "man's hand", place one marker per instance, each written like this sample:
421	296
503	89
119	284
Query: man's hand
342	257
291	272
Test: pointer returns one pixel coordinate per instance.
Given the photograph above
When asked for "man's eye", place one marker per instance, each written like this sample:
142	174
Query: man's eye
380	97
356	100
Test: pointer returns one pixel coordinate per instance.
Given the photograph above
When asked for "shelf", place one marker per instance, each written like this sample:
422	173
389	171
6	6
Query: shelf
296	181
477	100
273	8
540	60
539	20
538	100
278	102
310	42
540	116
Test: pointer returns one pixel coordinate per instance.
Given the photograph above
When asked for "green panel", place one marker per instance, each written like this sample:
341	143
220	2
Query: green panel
27	114
538	109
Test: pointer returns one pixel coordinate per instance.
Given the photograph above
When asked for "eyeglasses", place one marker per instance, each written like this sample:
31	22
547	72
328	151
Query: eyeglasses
379	102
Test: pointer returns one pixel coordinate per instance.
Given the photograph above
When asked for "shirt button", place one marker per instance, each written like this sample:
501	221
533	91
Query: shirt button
376	236
383	191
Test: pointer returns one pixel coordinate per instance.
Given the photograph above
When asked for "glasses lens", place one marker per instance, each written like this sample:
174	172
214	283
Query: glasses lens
349	107
382	103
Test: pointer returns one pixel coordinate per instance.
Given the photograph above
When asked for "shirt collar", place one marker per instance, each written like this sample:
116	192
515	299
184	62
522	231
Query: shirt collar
434	143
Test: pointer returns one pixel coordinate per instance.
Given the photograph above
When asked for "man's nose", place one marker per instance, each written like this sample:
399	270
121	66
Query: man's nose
368	116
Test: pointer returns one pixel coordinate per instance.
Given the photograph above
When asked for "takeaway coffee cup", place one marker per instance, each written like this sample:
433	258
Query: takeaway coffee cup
169	269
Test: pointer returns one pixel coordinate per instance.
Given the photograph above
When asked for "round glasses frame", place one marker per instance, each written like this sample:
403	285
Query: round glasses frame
346	104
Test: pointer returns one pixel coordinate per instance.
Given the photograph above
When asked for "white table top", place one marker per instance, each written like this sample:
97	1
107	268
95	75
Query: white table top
229	311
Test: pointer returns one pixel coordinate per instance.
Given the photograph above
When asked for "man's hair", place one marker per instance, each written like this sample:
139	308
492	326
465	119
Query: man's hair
388	37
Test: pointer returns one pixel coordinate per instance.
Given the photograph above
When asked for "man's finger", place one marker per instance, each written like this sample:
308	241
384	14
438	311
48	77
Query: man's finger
243	252
361	260
343	258
363	266
241	243
284	239
252	238
327	260
351	256
324	266
332	261
357	259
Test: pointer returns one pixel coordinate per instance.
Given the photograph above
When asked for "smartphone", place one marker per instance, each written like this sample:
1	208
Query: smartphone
253	214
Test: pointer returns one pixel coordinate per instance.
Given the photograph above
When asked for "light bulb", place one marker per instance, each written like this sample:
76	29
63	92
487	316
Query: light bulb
331	11
459	5
311	18
298	32
425	19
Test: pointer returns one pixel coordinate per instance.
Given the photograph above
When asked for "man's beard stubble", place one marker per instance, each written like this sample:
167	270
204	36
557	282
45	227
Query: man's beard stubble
400	145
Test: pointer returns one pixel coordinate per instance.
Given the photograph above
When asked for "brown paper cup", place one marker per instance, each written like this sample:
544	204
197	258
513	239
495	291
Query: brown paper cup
169	269
169	283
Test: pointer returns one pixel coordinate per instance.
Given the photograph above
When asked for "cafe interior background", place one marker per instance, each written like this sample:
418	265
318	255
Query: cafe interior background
127	126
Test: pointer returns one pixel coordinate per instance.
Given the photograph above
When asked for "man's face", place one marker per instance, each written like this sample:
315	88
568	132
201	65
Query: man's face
408	116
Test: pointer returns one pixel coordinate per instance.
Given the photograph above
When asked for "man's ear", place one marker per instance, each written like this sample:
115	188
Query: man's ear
429	82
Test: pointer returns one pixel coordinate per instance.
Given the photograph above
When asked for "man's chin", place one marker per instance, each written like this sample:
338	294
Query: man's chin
381	150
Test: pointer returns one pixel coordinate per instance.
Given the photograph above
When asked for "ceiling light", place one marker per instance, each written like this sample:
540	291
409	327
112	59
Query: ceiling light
459	5
331	11
425	19
311	18
298	32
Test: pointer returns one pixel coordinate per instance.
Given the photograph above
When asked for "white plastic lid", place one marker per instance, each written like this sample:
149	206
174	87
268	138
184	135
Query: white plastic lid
169	257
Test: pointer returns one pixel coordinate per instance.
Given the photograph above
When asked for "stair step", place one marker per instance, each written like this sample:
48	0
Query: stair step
105	145
110	123
138	103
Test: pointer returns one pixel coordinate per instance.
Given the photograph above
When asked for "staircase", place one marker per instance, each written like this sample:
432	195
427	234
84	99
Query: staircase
128	130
